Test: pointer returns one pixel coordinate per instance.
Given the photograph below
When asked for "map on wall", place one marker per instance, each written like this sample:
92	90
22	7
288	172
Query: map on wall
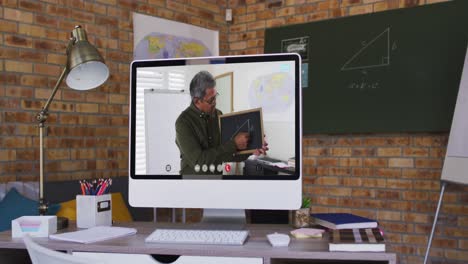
273	92
163	46
157	38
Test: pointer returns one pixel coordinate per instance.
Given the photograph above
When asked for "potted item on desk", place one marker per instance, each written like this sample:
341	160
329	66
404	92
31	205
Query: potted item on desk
301	217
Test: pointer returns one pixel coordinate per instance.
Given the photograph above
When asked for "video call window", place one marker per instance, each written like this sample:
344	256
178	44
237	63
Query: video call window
162	94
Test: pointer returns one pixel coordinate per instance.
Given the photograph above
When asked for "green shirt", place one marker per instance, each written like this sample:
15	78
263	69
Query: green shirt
199	141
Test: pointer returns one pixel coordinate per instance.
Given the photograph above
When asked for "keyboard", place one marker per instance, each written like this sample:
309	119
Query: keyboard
198	236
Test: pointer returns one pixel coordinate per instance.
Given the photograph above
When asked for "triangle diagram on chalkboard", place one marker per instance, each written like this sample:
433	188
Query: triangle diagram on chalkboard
375	53
242	128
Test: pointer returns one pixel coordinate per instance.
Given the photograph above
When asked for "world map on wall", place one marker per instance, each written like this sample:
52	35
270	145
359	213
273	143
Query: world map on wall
273	92
162	46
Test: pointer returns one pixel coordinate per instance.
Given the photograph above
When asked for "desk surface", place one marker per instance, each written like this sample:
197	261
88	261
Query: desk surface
256	246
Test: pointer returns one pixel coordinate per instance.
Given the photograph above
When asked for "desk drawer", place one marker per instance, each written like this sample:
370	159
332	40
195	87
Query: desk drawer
117	258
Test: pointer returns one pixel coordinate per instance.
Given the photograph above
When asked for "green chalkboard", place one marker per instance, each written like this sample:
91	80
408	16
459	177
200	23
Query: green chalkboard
392	71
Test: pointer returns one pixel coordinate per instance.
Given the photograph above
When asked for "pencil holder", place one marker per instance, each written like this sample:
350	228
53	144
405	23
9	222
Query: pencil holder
93	210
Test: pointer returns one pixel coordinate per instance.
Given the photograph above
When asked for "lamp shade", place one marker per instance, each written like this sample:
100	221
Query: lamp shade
87	69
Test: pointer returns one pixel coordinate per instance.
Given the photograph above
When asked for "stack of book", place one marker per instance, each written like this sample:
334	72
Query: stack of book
349	232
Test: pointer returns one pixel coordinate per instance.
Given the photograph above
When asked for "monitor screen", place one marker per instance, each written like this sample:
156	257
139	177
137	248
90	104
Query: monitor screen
216	132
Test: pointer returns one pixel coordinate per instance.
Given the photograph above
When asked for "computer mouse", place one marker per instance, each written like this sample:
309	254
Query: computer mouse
279	240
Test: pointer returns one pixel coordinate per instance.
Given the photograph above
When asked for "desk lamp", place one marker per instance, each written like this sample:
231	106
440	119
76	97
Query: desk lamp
86	70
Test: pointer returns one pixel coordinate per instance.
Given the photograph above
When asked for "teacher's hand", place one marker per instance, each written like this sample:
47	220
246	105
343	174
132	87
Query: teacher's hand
263	150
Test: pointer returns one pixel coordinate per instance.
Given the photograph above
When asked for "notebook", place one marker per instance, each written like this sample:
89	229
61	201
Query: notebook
355	240
94	234
343	221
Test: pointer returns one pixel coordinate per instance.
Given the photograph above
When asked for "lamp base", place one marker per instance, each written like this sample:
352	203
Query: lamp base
62	222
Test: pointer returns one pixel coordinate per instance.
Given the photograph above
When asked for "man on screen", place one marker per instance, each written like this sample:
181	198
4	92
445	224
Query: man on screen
197	132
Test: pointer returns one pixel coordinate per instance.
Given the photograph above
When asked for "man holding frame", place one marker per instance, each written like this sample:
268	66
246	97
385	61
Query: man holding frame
198	136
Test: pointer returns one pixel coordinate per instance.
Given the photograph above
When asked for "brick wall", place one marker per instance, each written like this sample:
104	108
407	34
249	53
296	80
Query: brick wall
391	177
86	131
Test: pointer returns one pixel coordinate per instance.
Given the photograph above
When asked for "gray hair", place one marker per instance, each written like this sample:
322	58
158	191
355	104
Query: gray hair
200	82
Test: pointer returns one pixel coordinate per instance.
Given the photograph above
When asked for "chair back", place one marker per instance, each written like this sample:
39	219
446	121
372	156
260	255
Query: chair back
43	255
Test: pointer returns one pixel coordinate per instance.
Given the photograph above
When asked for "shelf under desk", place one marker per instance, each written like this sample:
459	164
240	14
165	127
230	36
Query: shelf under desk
257	246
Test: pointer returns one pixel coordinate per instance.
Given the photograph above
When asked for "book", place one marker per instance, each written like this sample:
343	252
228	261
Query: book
307	233
94	234
343	221
355	240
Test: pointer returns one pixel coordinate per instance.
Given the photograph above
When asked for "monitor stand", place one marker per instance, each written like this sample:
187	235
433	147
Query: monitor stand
232	219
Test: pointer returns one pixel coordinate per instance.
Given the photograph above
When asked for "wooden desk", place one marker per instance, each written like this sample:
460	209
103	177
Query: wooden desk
257	246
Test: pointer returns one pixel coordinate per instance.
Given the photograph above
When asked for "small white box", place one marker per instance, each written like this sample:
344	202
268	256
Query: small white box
35	226
93	210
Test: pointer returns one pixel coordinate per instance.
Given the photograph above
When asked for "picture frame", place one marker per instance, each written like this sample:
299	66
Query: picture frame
250	121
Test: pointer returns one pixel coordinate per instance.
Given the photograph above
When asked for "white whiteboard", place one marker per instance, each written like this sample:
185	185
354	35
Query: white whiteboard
456	160
162	107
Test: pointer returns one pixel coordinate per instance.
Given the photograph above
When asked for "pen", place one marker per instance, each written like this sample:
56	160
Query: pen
94	187
83	191
102	187
98	187
88	188
108	186
107	183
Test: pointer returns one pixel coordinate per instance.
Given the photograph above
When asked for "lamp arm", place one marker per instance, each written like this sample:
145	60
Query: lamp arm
41	117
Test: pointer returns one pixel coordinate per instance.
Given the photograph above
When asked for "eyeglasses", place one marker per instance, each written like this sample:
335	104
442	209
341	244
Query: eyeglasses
212	100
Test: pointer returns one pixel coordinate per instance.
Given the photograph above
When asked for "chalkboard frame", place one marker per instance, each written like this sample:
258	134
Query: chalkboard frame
242	114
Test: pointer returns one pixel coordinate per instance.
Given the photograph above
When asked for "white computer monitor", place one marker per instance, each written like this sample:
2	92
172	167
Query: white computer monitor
160	92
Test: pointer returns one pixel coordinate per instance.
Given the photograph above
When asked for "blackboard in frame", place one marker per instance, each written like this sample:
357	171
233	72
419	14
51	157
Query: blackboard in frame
384	72
249	121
